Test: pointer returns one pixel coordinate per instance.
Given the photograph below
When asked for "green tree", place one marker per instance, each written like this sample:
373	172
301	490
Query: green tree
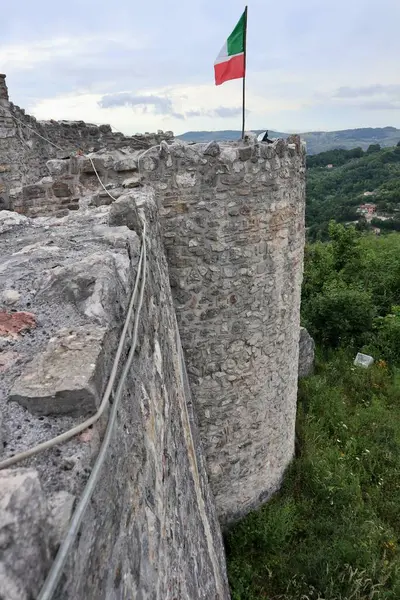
387	339
341	314
373	148
345	245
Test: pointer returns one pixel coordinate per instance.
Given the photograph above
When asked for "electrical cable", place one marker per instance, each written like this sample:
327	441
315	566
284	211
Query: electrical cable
67	435
55	572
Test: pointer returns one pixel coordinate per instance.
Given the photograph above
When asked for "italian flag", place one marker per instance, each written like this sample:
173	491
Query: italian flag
230	62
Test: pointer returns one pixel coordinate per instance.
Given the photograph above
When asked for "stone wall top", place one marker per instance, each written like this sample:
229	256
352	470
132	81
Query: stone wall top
3	88
24	150
65	286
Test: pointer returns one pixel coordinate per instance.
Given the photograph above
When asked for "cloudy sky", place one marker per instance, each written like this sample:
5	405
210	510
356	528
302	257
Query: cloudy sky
143	65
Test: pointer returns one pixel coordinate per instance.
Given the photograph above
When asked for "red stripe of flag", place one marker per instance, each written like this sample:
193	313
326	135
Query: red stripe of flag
231	69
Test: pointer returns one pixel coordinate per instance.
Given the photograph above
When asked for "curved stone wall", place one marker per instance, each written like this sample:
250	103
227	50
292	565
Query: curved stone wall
233	220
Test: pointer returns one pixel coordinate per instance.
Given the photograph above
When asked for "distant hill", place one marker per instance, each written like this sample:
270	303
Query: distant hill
317	141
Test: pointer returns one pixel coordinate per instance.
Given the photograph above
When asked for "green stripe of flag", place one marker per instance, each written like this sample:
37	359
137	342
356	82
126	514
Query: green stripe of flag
236	39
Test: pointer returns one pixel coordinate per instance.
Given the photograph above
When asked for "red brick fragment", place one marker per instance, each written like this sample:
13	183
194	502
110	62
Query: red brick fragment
11	324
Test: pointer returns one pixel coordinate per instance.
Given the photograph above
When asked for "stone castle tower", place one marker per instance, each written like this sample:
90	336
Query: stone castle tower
233	219
230	218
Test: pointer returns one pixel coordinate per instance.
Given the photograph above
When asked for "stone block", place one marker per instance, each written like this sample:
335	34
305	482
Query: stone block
186	180
4	201
126	164
133	182
10	297
294	140
93	285
85	165
245	153
57	167
279	146
32	192
61	189
25	550
363	360
61	506
306	353
212	149
61	213
68	377
124	212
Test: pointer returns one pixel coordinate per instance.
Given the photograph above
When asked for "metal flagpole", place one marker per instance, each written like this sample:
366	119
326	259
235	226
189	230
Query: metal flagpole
244	76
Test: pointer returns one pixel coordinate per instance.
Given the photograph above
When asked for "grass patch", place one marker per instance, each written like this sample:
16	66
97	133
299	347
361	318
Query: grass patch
333	531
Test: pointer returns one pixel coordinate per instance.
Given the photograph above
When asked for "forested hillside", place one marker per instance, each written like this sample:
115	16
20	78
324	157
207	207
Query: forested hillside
337	181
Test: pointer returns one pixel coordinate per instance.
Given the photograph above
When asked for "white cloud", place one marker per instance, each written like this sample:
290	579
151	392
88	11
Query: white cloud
299	56
25	56
212	108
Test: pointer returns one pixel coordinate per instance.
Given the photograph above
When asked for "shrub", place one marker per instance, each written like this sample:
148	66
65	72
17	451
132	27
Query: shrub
341	314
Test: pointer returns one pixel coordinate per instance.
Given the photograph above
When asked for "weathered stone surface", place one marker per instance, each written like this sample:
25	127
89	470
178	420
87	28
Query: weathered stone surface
27	154
61	505
11	220
90	284
57	167
68	377
124	212
126	164
141	523
7	359
4	199
25	551
10	297
61	189
14	323
212	149
233	227
245	153
306	353
133	182
86	165
33	192
235	259
152	499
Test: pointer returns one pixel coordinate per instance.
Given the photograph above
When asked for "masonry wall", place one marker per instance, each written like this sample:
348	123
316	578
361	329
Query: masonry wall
23	154
233	220
151	529
233	226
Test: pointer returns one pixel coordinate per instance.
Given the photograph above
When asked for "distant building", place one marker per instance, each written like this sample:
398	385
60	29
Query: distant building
367	208
369	194
329	166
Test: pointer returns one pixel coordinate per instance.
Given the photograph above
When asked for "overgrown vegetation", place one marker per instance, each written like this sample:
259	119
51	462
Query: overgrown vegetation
333	531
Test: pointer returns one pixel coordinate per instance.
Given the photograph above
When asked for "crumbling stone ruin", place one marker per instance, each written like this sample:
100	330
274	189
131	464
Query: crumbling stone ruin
27	144
204	423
